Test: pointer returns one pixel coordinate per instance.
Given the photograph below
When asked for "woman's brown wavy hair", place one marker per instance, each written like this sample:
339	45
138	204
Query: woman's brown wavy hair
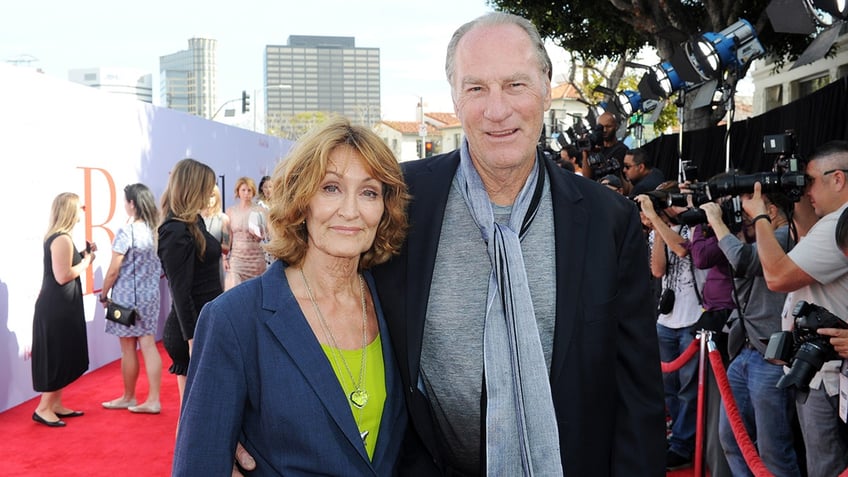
297	178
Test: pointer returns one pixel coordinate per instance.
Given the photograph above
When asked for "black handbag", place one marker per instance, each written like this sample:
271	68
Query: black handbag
666	303
121	314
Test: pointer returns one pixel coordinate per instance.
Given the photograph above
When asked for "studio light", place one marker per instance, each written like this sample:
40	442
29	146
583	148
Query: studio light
661	80
734	48
837	8
628	102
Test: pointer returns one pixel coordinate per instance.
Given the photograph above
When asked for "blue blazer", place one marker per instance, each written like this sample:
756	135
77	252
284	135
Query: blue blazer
605	371
258	375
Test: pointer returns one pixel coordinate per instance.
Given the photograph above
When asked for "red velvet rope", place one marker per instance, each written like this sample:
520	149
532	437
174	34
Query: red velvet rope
682	359
749	452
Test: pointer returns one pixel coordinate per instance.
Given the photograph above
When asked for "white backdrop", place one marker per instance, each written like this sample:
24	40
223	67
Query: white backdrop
56	136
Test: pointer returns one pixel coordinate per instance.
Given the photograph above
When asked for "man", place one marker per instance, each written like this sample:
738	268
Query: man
640	171
817	272
546	363
611	147
766	410
612	181
677	313
591	394
569	154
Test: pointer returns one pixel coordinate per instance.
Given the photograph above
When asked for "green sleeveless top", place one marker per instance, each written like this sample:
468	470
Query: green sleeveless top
368	418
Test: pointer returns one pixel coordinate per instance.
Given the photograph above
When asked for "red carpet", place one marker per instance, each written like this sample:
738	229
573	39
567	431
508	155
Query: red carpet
103	442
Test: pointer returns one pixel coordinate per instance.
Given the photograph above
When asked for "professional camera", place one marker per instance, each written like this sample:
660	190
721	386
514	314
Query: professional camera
583	136
586	138
787	174
602	165
659	199
731	215
803	349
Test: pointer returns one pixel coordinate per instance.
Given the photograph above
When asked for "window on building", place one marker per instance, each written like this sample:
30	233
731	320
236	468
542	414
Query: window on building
811	85
774	97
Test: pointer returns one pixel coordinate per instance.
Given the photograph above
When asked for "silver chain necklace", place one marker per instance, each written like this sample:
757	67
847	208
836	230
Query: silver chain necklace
359	396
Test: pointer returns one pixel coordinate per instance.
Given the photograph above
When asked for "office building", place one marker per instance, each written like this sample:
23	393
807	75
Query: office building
187	78
128	82
320	74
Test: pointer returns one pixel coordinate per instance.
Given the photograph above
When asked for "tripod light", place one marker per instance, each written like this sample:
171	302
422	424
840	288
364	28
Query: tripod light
735	47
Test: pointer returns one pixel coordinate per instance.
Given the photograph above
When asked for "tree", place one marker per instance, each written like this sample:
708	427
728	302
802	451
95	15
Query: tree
594	30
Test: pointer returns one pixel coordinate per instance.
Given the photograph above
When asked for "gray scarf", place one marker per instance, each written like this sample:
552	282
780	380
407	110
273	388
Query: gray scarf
521	428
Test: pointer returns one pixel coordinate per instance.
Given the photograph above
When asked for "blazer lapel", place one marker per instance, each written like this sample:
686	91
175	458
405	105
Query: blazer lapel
572	246
429	185
288	325
394	410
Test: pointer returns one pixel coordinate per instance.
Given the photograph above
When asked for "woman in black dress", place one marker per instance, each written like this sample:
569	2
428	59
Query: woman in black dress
59	342
190	258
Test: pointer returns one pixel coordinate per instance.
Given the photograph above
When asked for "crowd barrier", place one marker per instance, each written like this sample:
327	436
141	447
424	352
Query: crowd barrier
701	342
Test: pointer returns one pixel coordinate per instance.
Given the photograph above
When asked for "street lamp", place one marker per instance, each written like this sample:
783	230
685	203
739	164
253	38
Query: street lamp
265	102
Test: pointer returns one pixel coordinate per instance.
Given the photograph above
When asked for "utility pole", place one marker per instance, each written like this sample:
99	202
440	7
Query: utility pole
422	128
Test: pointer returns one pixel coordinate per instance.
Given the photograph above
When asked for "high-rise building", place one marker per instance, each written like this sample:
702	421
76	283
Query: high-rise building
127	82
321	74
187	78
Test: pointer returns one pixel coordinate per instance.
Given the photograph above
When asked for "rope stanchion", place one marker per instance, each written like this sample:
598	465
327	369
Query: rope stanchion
684	357
703	337
749	452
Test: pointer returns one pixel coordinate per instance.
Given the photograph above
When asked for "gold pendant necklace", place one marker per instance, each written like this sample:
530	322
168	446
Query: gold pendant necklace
359	396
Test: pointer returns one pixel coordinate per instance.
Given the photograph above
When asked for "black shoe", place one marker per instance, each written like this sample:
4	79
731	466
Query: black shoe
70	414
675	461
41	420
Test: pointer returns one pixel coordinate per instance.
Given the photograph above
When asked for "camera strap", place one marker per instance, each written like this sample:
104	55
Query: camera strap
695	282
741	306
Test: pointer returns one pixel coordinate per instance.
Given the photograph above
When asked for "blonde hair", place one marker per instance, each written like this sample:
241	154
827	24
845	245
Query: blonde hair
187	193
63	214
245	181
217	207
297	178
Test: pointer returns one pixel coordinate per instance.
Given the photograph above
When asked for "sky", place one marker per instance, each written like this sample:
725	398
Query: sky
411	36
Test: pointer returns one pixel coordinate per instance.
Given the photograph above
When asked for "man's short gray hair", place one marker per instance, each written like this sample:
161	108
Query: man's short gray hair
499	18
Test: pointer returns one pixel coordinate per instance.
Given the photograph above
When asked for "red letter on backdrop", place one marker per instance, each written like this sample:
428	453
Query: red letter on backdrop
89	212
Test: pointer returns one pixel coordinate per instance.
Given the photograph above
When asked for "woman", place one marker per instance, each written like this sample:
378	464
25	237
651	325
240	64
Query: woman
189	258
298	363
246	259
218	225
133	278
59	341
264	202
263	199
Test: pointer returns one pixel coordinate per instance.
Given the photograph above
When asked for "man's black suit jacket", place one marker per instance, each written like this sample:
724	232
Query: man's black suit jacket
605	372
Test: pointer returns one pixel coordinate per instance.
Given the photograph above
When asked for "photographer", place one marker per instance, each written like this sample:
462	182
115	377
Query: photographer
570	155
717	304
611	147
766	410
640	171
679	307
840	337
817	272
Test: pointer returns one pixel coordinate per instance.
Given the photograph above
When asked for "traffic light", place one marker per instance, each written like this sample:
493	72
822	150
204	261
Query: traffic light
245	102
428	148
